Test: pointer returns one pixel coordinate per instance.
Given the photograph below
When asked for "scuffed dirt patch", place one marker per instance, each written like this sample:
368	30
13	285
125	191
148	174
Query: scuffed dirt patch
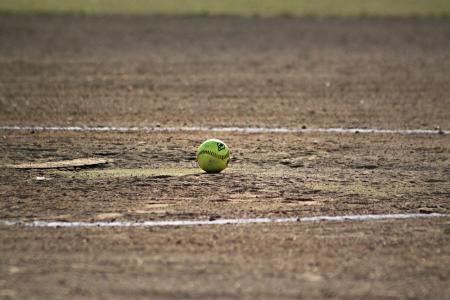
159	169
114	173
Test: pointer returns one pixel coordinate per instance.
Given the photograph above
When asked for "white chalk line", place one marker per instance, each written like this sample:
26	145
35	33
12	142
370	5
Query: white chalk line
224	129
56	224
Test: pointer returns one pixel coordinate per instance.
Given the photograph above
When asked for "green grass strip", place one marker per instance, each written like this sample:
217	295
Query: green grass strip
313	8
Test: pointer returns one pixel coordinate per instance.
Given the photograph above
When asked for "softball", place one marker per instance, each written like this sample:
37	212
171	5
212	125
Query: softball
213	156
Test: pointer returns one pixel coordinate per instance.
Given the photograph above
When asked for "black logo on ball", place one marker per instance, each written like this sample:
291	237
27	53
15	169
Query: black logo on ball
220	147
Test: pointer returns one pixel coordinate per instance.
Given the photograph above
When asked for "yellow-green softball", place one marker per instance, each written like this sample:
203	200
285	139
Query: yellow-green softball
213	156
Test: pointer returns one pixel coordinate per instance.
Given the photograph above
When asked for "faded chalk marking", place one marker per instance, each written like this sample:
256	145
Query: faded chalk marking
225	129
53	224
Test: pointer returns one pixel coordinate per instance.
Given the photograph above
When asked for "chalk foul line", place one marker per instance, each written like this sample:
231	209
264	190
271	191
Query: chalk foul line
224	129
57	224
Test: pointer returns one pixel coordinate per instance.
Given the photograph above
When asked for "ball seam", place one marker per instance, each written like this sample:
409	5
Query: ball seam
211	153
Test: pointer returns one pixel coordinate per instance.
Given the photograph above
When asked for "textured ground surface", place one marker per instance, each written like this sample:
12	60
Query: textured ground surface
382	260
270	175
225	72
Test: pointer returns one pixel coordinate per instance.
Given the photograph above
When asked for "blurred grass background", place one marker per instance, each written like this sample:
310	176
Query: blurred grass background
311	8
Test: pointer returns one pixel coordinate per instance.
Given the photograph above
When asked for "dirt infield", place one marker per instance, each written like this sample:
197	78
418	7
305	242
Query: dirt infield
154	71
270	175
224	71
382	260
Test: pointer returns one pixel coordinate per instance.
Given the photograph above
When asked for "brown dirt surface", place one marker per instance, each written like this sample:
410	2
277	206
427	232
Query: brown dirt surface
148	71
224	71
270	175
381	260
